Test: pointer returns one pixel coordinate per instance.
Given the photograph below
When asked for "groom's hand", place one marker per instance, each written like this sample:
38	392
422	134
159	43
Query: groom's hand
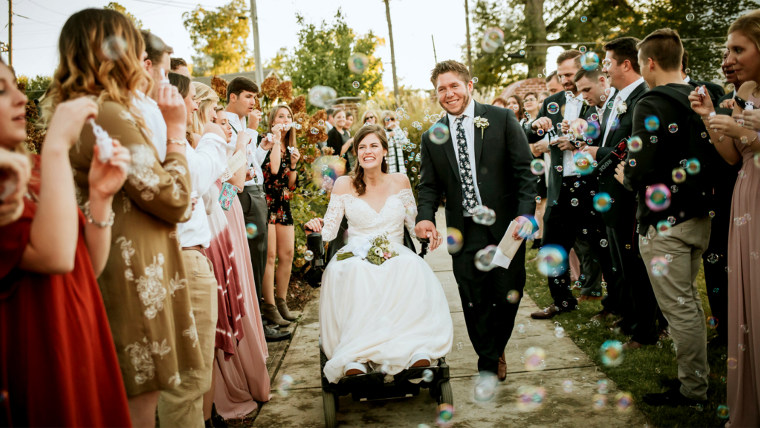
426	229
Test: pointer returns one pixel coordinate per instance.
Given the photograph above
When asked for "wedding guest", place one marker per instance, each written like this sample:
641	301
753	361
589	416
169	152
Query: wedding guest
281	177
179	66
156	56
338	136
14	174
330	122
739	145
499	102
144	282
515	104
727	100
530	105
369	118
397	139
53	328
349	120
542	96
716	91
553	85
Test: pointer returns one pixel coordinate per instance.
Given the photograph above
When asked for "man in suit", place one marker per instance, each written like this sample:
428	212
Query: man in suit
622	67
716	91
485	161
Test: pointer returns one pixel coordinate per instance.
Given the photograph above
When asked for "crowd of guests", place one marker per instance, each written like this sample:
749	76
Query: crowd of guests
159	268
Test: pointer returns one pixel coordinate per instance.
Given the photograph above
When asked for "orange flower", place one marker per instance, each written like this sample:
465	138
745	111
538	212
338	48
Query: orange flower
269	86
219	86
285	91
298	105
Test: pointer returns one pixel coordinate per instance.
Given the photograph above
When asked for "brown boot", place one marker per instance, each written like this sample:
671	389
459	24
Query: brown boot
282	306
269	312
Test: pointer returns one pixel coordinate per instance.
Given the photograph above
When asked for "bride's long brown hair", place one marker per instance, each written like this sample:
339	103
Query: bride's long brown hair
358	173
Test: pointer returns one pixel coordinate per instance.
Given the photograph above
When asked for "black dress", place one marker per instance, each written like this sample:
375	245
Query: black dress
278	191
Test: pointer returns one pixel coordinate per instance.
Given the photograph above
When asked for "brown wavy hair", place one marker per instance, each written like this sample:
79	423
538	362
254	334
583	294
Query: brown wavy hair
357	174
290	136
100	54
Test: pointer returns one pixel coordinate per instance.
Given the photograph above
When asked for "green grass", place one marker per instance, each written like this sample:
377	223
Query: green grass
642	369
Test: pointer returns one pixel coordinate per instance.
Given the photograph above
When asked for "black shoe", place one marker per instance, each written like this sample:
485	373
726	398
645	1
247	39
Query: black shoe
273	335
671	397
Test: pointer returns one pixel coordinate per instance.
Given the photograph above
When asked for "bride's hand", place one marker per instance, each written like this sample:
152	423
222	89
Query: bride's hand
426	230
313	226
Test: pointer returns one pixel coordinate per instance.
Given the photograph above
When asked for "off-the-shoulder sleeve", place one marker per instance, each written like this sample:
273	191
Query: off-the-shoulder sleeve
333	217
410	209
161	189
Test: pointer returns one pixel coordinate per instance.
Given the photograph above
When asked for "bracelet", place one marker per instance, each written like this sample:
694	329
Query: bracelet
176	141
101	224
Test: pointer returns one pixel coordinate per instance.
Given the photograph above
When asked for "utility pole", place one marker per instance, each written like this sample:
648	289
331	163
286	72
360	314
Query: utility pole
10	33
256	46
435	57
467	25
393	51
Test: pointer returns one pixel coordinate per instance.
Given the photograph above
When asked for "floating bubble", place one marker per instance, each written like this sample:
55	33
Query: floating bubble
603	243
308	255
599	402
653	139
535	358
484	215
454	240
689	17
322	96
537	166
493	38
251	230
712	258
578	127
602	386
632	162
663	227
552	108
590	61
624	402
485	387
582	49
357	63
530	397
574	202
513	297
602	202
712	322
678	175
592	131
584	163
527	226
551	260
652	123
540	132
114	47
474	80
673	128
658	197
584	18
659	265
611	353
559	332
445	414
567	386
484	258
438	133
356	84
286	382
427	375
635	144
693	166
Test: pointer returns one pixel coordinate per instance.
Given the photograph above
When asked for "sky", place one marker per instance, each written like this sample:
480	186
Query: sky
37	25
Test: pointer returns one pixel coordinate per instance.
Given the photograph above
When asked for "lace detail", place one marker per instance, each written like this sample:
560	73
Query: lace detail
363	221
333	216
410	207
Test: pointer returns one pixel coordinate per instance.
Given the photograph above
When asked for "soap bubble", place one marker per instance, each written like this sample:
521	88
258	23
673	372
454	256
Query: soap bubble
658	197
322	96
527	226
553	108
559	332
584	163
652	123
513	296
454	240
712	258
593	131
693	166
286	382
445	414
356	84
602	202
678	175
653	139
114	47
722	411
357	63
602	386
530	397
493	38
689	16
540	132
590	61
712	322
251	230
484	258
484	215
624	402
603	243
485	386
567	386
663	227
438	133
611	353
660	266
673	128
537	166
584	18
427	375
582	49
308	255
574	202
552	260
535	358
635	144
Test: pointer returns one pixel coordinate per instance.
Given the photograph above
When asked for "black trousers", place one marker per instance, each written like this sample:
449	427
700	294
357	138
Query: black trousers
254	203
715	263
488	314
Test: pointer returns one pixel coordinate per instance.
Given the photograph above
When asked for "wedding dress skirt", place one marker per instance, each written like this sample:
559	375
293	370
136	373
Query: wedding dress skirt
383	314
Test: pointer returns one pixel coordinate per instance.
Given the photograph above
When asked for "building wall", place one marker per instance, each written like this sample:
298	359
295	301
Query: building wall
521	87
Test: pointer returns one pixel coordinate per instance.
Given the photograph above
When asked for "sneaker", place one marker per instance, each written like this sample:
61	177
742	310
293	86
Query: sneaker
271	334
671	397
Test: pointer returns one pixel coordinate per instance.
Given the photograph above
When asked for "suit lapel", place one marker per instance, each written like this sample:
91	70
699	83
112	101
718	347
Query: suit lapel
479	111
448	148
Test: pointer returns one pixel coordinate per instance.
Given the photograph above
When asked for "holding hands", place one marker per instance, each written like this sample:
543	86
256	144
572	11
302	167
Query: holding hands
426	229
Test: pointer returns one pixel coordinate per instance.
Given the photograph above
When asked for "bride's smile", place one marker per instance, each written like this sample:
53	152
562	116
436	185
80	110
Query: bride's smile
370	152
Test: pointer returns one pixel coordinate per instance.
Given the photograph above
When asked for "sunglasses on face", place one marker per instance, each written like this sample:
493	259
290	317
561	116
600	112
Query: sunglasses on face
369	117
390	119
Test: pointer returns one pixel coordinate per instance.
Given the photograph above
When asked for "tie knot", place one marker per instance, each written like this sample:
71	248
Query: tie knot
460	119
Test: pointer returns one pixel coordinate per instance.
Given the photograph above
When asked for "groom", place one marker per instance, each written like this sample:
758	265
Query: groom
484	161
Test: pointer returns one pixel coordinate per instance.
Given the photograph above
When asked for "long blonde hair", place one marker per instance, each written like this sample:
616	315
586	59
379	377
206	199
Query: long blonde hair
99	55
204	96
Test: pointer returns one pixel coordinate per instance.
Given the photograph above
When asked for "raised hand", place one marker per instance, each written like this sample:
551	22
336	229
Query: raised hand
107	178
15	171
68	120
751	119
254	118
542	123
701	102
172	107
295	155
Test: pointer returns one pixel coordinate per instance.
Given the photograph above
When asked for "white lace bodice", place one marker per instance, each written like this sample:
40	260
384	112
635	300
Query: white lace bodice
364	222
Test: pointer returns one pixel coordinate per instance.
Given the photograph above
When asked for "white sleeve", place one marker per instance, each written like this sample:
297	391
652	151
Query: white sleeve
207	162
410	209
259	154
333	217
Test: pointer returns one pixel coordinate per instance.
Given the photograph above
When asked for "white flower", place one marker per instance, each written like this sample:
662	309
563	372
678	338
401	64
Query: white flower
378	251
622	108
482	123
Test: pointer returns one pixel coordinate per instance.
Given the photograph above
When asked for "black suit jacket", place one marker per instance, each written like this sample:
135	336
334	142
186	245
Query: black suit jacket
502	161
623	210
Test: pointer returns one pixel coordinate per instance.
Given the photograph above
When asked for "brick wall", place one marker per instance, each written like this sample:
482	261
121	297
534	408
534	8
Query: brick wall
521	87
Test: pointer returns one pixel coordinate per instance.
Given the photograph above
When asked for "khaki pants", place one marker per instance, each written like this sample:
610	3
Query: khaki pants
678	297
183	406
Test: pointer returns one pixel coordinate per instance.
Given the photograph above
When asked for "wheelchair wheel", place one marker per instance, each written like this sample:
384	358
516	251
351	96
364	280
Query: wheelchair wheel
447	395
330	404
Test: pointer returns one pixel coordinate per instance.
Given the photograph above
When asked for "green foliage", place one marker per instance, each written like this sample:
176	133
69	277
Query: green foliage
322	57
119	8
220	38
36	86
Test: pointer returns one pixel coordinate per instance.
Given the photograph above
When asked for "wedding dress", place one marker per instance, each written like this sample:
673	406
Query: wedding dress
380	314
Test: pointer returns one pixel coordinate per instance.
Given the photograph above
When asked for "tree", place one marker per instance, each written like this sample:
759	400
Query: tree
119	8
220	37
322	58
393	51
35	87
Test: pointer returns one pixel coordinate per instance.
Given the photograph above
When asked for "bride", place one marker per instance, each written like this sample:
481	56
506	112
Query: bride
389	316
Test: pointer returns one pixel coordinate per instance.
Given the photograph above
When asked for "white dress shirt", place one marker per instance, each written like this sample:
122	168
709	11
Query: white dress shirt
622	96
468	123
573	107
154	121
253	151
206	163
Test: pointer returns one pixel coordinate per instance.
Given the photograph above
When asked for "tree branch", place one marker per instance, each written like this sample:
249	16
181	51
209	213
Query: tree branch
550	27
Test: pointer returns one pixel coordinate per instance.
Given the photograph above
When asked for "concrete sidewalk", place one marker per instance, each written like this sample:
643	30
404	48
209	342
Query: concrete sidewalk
569	379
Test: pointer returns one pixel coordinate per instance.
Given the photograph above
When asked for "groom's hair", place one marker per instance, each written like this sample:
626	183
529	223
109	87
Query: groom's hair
450	66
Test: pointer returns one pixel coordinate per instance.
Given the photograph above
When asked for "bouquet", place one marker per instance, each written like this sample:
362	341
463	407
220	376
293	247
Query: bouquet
377	252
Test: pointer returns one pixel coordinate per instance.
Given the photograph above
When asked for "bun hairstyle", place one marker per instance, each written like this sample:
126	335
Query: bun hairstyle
358	173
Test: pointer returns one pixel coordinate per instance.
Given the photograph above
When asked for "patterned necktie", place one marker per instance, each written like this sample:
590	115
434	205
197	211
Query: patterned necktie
468	188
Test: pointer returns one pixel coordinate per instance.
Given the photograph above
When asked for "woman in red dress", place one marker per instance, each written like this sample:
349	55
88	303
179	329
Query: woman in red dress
58	363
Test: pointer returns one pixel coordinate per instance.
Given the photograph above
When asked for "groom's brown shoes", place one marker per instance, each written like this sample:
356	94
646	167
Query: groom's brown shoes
502	371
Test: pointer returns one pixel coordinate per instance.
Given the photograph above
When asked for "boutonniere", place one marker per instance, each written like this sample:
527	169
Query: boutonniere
622	108
482	123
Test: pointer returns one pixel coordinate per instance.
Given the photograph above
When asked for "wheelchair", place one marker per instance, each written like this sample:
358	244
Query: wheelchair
374	385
